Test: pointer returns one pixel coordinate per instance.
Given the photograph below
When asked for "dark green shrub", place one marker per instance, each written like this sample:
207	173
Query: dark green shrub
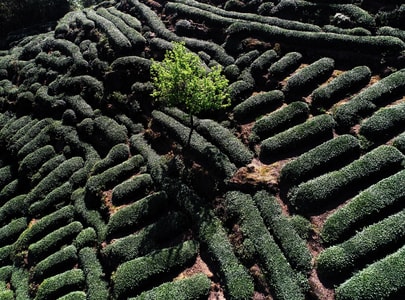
12	230
11	128
56	198
114	175
53	241
136	214
309	77
261	103
136	67
33	161
117	154
238	153
6	175
279	120
41	140
20	283
362	248
365	206
57	262
80	106
147	239
367	100
382	125
326	157
127	18
379	280
312	132
131	275
55	179
350	81
369	168
261	64
117	39
190	288
358	31
13	208
5	273
86	238
76	295
5	253
131	189
387	30
96	286
65	282
239	90
399	142
246	59
292	245
10	190
279	274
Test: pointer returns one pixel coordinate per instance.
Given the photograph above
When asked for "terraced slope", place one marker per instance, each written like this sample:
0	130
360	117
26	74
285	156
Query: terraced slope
296	191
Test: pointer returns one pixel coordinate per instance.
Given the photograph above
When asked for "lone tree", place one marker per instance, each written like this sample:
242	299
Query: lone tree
183	81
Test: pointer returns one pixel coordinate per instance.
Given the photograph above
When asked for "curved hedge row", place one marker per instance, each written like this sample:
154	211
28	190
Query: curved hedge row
368	204
371	282
330	187
131	189
285	65
312	132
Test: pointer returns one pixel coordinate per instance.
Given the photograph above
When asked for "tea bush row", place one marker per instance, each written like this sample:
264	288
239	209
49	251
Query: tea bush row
146	240
131	189
312	132
293	246
363	247
200	147
285	65
368	99
260	103
280	276
10	232
13	208
137	213
368	204
399	142
261	64
279	120
238	284
326	157
131	275
189	288
237	152
323	190
350	81
42	139
371	282
127	18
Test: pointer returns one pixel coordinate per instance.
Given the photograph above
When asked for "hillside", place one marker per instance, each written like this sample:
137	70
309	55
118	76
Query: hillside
295	191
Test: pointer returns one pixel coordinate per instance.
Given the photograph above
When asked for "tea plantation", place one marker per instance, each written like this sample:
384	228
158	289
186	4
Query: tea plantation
294	191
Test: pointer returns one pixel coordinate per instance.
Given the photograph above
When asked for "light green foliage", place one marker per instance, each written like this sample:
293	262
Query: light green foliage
181	80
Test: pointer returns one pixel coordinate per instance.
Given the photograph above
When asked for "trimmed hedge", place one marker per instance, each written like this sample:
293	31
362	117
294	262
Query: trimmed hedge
367	100
238	153
190	288
112	176
348	82
365	206
96	286
279	120
205	151
379	280
382	125
147	239
51	242
238	284
12	230
54	286
309	77
131	275
369	168
324	158
136	214
6	175
399	142
55	263
127	18
258	104
117	154
55	179
314	131
131	189
292	245
281	278
261	64
246	59
285	65
41	140
20	283
10	190
76	295
86	238
11	127
80	107
46	168
363	247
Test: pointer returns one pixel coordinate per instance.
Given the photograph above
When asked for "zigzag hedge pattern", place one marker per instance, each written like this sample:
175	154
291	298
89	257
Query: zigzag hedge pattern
294	192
